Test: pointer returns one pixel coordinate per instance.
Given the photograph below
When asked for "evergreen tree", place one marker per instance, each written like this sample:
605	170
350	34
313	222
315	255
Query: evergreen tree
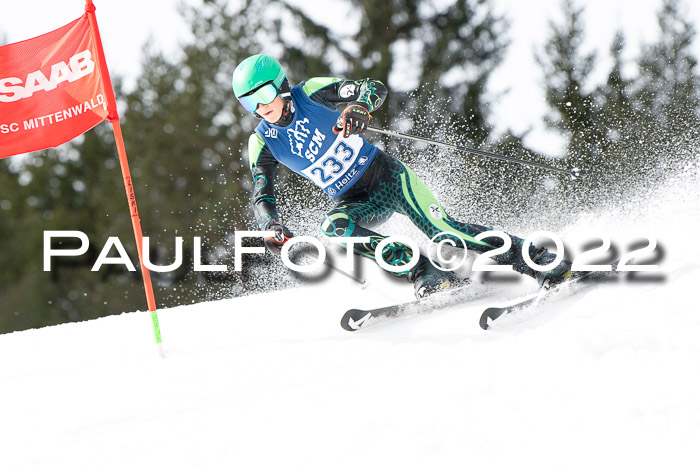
615	122
449	52
668	88
613	100
58	190
623	134
598	120
567	70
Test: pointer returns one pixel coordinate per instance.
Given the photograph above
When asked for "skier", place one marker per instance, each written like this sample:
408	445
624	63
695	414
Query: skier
302	128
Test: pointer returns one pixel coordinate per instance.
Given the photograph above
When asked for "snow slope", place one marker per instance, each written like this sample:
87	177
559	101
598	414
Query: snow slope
610	377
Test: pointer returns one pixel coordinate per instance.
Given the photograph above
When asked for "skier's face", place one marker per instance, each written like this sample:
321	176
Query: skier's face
271	112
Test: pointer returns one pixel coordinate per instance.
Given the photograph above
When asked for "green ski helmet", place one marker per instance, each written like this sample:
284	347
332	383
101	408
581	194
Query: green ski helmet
258	80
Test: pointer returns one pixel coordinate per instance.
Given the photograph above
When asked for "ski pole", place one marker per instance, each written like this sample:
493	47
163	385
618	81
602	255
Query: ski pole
574	173
362	282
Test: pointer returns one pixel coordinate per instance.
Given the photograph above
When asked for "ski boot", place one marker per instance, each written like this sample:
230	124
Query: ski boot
428	279
552	277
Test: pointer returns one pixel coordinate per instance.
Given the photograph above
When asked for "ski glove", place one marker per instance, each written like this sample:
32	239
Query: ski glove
353	121
276	242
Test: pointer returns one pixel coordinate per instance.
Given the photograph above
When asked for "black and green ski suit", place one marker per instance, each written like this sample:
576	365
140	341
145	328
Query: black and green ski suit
385	186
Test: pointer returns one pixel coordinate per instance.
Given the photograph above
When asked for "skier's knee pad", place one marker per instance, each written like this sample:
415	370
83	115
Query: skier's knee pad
337	225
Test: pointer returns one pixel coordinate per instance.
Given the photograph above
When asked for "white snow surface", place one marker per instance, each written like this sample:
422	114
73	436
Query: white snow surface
605	377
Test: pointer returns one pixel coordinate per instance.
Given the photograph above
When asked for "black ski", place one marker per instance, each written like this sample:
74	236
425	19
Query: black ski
491	314
356	319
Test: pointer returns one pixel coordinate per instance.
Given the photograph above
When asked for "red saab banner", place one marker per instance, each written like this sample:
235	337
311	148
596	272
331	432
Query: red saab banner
51	89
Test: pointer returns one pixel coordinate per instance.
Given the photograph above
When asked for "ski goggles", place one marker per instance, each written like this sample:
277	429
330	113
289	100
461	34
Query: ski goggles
263	95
